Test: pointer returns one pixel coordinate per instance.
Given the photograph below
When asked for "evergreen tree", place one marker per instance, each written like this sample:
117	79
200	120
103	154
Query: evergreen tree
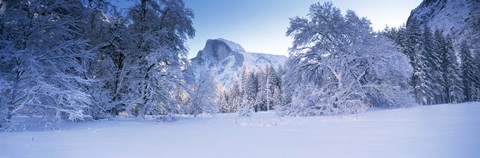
222	101
420	66
273	83
235	97
468	72
269	90
477	75
249	94
262	90
431	58
436	76
410	40
452	83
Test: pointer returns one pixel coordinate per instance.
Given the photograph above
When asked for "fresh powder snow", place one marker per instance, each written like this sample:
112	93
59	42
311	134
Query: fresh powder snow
448	130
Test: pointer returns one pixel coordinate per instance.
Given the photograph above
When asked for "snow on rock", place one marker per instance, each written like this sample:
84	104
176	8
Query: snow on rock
439	131
227	60
460	18
217	50
234	46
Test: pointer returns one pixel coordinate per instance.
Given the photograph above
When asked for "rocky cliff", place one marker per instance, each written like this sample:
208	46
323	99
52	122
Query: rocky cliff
459	18
227	59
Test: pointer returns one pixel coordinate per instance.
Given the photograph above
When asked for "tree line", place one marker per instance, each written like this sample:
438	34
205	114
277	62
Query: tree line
256	91
441	74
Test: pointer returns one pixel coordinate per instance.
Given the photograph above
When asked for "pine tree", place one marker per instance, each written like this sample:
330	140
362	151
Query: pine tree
273	83
436	75
262	91
222	101
409	39
431	57
451	85
235	96
468	72
477	75
250	90
413	49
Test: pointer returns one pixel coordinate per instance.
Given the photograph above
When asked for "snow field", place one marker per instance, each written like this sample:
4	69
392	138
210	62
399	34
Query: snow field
428	131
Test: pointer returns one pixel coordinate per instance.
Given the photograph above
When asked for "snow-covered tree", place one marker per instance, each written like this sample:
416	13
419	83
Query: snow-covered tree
388	76
452	83
269	90
307	100
235	96
44	59
468	72
335	54
410	39
204	96
431	58
159	30
249	84
262	91
4	115
82	59
107	38
477	74
417	56
222	101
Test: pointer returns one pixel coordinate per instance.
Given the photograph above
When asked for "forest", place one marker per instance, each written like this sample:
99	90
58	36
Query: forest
83	60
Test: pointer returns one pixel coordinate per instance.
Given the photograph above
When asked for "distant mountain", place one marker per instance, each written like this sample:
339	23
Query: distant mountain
227	60
460	18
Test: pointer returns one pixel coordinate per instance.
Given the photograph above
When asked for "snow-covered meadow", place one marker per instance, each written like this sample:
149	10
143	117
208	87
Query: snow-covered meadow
449	130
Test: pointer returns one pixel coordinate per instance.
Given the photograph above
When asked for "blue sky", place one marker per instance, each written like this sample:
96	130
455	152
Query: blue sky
260	25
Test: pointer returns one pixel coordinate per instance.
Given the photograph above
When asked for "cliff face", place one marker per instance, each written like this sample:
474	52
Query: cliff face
459	18
227	59
218	50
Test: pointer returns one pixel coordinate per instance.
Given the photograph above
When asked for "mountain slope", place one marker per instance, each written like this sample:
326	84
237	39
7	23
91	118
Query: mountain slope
227	60
460	18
